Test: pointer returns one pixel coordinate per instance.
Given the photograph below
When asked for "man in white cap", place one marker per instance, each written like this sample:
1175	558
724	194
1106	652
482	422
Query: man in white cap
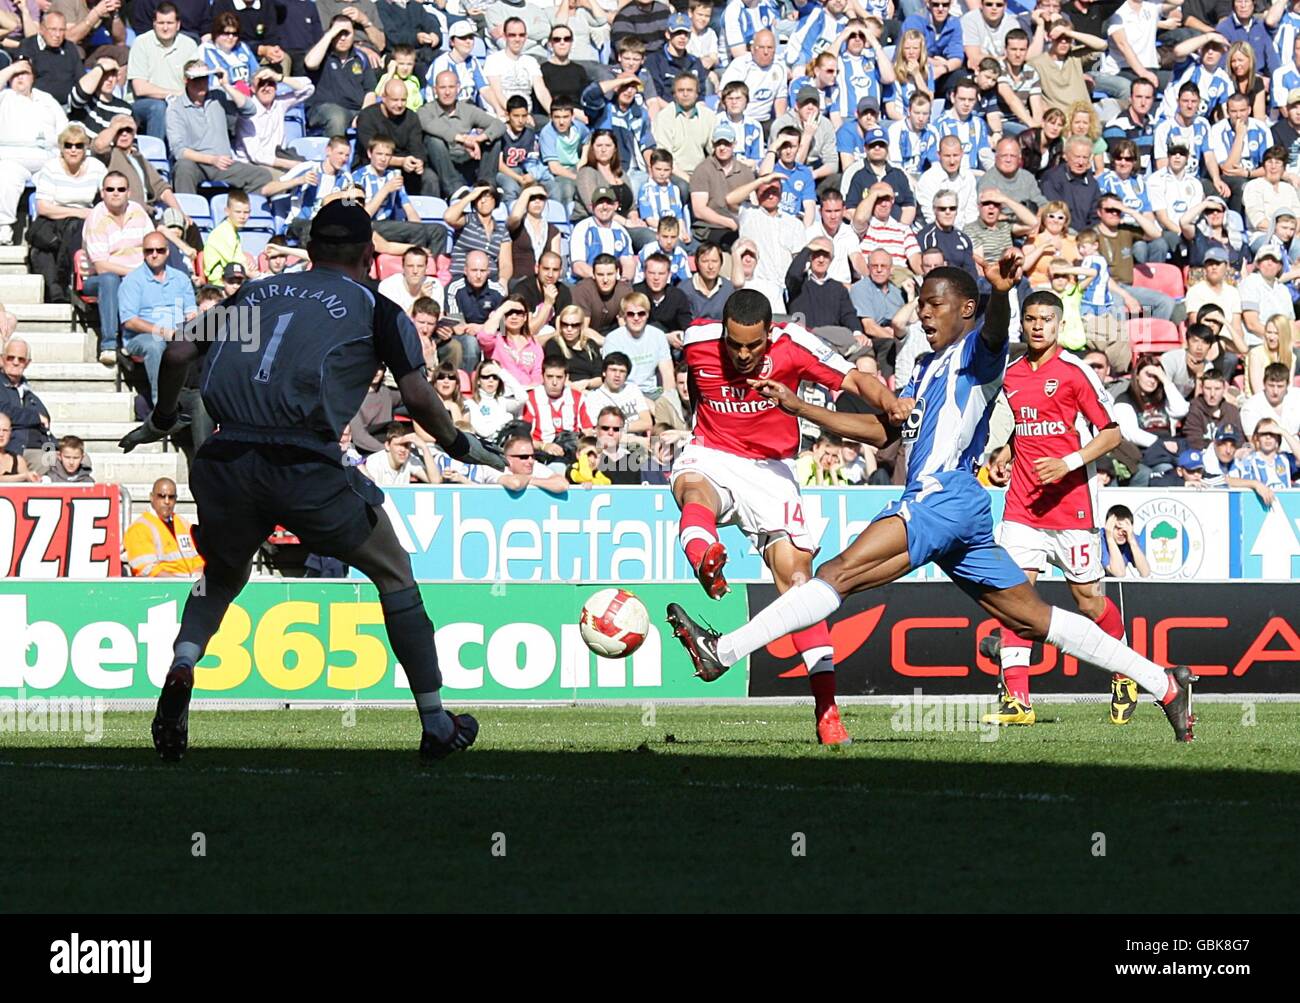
1265	292
198	137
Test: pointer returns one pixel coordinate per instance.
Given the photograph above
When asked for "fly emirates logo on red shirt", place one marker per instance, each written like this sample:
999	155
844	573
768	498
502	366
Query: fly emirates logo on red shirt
1029	424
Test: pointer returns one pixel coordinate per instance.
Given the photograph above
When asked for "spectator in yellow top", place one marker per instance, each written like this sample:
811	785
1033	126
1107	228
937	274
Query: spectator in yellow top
160	544
223	245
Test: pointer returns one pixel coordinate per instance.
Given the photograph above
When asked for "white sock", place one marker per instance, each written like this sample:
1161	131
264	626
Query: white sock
1078	636
820	659
802	606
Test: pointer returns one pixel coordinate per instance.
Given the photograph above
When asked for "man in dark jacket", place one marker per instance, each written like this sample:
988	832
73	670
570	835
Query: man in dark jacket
670	310
390	117
819	303
1071	181
30	417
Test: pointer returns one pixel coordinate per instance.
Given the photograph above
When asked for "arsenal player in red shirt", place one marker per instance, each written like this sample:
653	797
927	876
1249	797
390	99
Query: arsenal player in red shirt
738	468
1051	507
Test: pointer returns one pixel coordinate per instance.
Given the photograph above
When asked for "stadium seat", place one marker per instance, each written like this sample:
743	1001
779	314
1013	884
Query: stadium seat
155	151
556	214
1151	334
197	208
711	101
1167	279
310	147
254	241
430	208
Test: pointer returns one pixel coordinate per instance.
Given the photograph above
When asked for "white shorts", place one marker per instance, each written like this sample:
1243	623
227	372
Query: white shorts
759	496
1077	552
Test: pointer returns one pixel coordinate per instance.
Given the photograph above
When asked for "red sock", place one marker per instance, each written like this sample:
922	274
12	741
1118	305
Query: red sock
1110	621
817	640
822	685
1016	650
698	528
1113	624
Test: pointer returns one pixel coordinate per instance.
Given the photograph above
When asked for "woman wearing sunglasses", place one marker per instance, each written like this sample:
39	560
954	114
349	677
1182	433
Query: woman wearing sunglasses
66	188
507	339
1053	240
490	408
578	346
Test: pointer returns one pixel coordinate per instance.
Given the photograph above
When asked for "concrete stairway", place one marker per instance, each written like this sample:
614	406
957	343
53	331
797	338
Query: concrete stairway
80	393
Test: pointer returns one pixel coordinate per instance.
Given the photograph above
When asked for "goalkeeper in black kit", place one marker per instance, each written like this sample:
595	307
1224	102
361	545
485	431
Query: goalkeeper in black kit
281	401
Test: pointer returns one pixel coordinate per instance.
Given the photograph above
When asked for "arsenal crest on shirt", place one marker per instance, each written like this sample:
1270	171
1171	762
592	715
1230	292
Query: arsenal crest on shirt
1050	386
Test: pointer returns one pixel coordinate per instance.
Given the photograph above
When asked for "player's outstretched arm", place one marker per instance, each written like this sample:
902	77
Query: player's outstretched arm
1003	275
875	393
859	427
429	412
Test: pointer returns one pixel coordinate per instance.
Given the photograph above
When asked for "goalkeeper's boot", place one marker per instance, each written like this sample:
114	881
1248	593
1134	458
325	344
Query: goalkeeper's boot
700	643
171	721
1123	699
709	571
1178	707
830	729
433	749
1011	710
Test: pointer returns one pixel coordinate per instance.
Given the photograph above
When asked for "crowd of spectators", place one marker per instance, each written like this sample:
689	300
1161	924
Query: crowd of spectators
611	170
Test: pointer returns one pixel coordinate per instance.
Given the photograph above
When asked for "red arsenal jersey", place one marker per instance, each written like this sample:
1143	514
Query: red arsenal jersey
732	416
567	413
1056	406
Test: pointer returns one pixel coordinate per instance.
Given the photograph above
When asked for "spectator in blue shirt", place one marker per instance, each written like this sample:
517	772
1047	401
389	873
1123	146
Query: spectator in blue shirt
943	42
153	302
1243	26
561	143
664	64
799	191
624	115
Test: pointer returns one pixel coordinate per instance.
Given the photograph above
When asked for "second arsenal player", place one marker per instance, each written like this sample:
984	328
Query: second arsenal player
1063	424
738	467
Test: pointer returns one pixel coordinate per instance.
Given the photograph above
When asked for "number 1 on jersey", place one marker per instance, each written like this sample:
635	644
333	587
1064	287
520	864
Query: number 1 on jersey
263	374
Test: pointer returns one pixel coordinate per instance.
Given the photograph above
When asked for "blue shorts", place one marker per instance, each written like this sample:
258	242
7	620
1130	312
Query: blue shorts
949	523
1096	310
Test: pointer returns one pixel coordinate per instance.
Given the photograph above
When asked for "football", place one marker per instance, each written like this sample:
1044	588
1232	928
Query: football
614	622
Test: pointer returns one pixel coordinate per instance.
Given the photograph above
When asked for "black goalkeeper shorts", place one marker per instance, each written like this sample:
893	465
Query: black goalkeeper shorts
244	490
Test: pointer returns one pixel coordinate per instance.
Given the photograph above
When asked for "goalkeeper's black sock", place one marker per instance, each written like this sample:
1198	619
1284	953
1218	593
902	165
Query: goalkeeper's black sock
204	610
410	635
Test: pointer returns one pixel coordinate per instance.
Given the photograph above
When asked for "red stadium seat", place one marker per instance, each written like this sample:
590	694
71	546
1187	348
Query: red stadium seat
1151	334
1167	279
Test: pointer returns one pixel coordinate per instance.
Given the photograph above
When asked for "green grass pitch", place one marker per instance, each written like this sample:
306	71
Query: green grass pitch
590	808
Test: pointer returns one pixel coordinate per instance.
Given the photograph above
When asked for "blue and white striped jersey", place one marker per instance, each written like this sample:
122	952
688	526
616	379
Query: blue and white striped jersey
657	201
954	391
912	152
973	133
393	207
1196	137
307	200
1132	190
741	22
859	78
1215	85
1258	139
469	73
1098	293
830	96
590	239
1274	471
816	34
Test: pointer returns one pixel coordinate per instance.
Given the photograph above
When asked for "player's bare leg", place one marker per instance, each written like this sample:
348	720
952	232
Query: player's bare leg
790	567
1023	611
698	531
410	634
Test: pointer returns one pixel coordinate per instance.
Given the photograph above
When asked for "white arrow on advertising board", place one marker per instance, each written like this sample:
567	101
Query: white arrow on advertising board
1276	544
426	520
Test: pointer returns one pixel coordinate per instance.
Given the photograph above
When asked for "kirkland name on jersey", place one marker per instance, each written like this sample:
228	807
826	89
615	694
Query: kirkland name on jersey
732	416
